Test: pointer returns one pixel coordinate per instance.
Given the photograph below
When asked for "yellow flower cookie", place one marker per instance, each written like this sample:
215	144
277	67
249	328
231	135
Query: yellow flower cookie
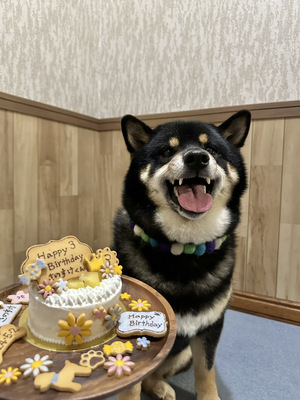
125	296
140	305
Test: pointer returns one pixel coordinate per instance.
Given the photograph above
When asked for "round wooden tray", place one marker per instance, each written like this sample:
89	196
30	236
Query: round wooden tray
98	385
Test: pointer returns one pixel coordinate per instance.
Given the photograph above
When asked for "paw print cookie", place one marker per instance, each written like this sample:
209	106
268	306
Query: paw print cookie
92	359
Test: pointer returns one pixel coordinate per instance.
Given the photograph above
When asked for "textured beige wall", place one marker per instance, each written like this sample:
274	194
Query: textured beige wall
105	58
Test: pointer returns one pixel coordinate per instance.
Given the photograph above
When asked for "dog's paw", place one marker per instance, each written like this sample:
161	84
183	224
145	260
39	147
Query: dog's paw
160	389
208	396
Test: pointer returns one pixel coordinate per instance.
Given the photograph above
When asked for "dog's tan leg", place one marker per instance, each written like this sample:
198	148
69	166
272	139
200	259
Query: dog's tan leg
205	379
156	384
133	393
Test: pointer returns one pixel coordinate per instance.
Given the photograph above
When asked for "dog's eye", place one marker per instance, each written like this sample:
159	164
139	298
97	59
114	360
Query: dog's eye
211	151
166	153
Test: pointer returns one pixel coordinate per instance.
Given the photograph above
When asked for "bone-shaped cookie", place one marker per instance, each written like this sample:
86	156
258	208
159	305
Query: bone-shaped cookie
85	359
8	334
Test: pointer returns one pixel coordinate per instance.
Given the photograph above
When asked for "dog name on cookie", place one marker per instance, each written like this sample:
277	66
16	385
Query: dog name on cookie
152	323
8	313
8	334
57	259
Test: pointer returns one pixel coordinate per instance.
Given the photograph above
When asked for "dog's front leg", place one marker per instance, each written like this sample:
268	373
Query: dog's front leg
205	379
203	349
133	393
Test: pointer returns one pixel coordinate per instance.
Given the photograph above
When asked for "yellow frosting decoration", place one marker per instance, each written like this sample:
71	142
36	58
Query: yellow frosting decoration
91	279
75	284
94	263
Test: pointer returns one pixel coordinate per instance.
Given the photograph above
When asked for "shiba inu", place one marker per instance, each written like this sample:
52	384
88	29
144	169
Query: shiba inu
176	232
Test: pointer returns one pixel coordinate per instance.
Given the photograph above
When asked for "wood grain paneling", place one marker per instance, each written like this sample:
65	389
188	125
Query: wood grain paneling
49	188
288	280
242	232
86	185
25	184
264	207
7	259
6	159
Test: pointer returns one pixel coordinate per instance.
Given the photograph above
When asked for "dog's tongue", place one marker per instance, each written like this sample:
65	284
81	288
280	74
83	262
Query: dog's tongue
192	198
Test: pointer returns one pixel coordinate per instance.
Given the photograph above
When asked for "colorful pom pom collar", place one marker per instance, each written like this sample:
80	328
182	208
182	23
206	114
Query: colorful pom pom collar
179	248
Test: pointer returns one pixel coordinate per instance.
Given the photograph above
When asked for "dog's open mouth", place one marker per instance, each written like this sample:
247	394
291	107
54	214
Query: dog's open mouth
193	194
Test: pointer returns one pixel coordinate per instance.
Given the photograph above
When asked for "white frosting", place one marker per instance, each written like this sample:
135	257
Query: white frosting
44	314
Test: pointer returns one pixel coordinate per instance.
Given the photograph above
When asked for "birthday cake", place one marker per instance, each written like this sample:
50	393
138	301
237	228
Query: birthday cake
73	293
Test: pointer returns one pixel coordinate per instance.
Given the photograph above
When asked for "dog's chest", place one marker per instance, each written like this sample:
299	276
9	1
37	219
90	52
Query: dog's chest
189	324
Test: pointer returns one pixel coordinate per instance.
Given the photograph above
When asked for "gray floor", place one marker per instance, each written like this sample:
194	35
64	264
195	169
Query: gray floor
257	359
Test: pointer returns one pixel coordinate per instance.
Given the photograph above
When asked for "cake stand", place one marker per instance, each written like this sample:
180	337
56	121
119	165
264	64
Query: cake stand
98	385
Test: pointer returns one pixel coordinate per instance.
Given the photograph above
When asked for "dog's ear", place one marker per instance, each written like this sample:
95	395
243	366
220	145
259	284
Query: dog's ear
136	133
235	129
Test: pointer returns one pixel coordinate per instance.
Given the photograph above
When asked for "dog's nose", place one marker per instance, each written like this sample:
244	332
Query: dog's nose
196	159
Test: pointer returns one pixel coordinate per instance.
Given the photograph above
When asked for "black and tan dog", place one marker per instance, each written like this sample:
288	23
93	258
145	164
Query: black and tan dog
176	231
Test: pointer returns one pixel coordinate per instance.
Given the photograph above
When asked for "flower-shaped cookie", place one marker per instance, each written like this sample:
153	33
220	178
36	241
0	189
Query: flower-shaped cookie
142	343
117	269
74	328
119	365
113	316
47	288
125	296
36	365
19	298
140	305
107	271
9	375
61	286
99	313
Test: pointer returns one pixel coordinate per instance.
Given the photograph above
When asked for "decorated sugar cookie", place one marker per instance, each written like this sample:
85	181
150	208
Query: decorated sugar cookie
139	305
151	323
36	365
47	288
109	256
9	375
125	296
63	380
117	347
9	334
113	316
73	329
55	260
92	359
142	343
119	366
94	263
19	298
8	312
99	313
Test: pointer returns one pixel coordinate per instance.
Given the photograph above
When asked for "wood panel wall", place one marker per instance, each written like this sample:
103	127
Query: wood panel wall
56	179
59	178
269	234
